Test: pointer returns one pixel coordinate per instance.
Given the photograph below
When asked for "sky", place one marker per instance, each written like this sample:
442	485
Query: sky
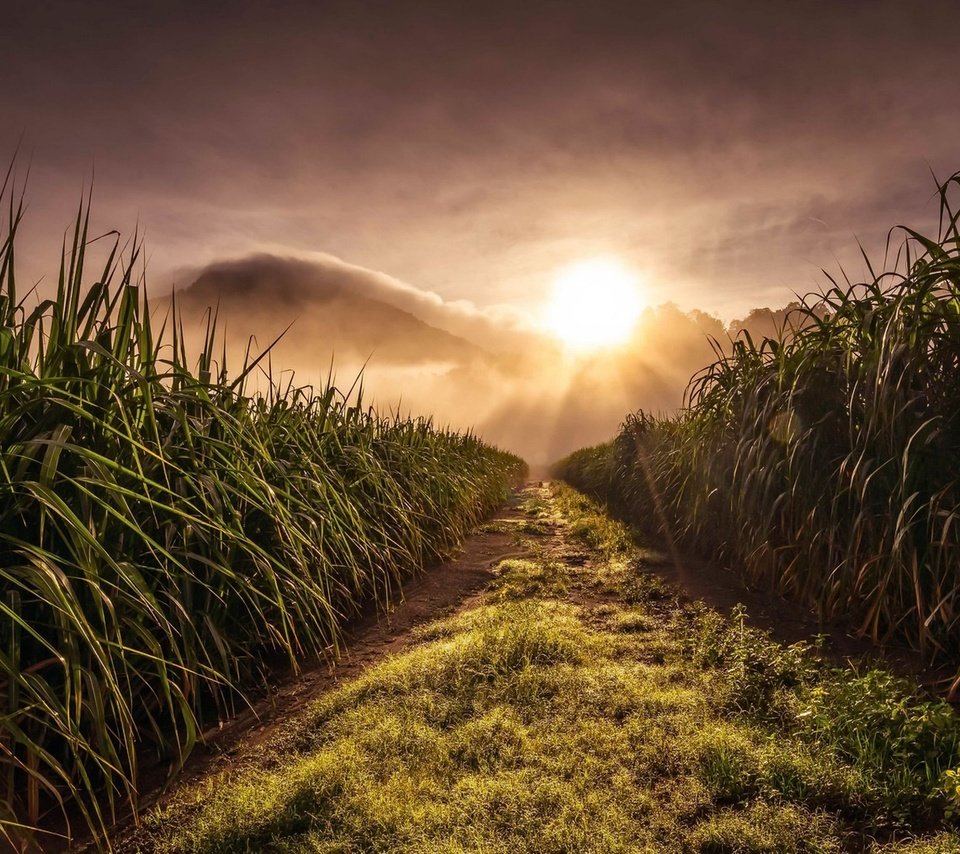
726	150
451	160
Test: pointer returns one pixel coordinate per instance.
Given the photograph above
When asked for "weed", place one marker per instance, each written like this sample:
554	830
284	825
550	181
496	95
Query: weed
521	579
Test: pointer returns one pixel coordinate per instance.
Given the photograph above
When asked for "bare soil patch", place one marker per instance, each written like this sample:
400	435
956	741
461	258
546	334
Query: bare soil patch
788	622
443	589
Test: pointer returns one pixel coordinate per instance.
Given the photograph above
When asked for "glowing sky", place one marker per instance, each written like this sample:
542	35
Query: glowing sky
725	149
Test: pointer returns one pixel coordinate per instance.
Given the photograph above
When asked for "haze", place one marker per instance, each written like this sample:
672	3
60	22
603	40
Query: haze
405	180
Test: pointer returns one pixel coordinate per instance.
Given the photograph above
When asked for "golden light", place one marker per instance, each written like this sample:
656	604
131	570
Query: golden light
595	304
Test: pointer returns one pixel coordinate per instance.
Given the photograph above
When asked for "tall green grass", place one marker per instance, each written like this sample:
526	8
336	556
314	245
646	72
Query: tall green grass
165	535
824	462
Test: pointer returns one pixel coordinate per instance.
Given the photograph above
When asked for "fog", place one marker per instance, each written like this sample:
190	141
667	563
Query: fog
491	369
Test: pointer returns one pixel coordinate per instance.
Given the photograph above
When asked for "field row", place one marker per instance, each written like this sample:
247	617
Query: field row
825	462
167	537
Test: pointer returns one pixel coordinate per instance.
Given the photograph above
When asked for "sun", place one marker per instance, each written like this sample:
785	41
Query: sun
595	304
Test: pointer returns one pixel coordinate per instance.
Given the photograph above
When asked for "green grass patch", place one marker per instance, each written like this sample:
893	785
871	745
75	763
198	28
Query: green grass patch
523	579
631	725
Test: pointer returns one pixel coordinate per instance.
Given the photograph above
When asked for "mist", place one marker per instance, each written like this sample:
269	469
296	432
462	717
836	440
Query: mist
491	369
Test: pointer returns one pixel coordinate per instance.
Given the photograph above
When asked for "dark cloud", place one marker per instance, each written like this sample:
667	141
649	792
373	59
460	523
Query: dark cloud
472	148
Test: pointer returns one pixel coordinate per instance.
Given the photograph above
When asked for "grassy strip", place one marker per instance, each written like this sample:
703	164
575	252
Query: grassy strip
585	707
824	462
165	535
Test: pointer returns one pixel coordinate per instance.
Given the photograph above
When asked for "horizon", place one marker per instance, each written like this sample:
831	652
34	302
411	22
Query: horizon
463	165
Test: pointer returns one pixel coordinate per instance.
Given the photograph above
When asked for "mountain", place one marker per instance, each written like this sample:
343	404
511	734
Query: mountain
330	316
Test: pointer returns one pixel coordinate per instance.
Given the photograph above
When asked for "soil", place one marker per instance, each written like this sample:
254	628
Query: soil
443	589
456	585
789	622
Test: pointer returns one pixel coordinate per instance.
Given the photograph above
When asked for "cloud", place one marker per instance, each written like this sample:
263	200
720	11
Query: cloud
684	139
463	364
726	151
295	284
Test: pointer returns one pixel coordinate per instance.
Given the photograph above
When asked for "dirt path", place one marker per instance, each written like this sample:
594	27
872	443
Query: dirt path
574	703
788	622
443	589
458	585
